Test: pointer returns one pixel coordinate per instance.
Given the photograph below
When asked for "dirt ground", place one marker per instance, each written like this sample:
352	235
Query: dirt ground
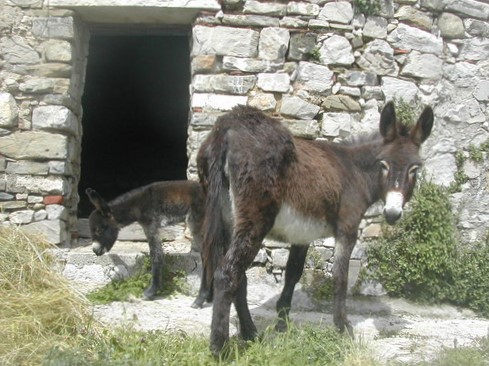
392	328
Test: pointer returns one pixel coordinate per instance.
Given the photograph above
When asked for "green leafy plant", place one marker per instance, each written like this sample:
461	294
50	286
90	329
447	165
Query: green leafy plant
367	7
318	284
472	277
314	55
475	154
415	258
460	176
134	286
405	112
421	259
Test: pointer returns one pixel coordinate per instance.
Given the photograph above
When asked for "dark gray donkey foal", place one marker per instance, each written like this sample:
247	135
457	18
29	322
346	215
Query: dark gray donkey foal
261	181
160	203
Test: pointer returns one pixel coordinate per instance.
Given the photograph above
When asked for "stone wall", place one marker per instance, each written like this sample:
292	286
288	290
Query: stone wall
318	64
42	64
327	71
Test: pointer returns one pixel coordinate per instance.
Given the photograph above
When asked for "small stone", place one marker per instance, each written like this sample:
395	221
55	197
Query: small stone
297	107
279	257
342	103
8	110
53	200
279	82
263	101
337	11
451	26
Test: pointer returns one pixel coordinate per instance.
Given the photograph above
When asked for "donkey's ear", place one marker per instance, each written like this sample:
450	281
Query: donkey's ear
98	201
388	127
423	127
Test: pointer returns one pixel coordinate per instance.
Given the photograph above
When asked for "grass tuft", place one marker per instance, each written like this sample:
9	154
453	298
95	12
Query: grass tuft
173	281
38	308
304	345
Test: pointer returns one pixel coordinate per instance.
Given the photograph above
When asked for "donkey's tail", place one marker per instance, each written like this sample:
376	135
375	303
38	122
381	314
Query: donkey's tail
217	227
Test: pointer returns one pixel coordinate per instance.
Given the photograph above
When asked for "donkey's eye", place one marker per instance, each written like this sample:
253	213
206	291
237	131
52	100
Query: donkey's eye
413	171
384	166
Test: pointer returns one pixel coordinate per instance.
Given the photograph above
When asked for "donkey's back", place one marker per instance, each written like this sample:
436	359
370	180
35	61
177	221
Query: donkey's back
170	201
294	185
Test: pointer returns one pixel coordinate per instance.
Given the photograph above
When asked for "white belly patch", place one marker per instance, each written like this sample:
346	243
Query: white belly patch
293	227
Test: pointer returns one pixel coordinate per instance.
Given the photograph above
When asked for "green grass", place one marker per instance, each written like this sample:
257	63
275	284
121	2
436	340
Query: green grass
477	355
301	345
134	286
44	322
308	345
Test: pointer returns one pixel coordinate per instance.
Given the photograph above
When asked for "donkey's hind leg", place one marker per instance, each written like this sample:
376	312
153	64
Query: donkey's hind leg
247	327
195	221
293	273
230	281
156	256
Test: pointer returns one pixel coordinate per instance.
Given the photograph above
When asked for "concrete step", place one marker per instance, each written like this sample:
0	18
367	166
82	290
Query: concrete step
87	271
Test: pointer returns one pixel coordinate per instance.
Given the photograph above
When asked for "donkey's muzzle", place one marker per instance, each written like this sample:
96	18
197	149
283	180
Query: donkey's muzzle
393	207
391	216
98	249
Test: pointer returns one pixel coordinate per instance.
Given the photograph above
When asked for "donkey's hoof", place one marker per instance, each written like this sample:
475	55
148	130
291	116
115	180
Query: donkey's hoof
281	326
149	295
216	350
346	326
198	303
349	329
248	333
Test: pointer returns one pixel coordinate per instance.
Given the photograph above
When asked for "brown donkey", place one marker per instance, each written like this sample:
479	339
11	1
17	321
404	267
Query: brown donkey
261	181
151	206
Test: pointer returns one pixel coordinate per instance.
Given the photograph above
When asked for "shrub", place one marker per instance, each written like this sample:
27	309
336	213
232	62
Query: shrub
472	277
415	258
420	259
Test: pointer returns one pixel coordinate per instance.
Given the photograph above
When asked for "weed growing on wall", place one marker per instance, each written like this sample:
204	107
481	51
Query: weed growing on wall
314	55
405	112
367	7
475	154
460	177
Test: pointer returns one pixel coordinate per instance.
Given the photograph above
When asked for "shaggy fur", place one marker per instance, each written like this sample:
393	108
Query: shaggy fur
151	206
261	181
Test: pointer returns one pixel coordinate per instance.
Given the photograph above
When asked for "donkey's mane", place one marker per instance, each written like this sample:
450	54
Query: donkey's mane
127	195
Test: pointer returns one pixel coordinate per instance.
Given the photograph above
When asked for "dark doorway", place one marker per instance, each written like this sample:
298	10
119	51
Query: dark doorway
135	114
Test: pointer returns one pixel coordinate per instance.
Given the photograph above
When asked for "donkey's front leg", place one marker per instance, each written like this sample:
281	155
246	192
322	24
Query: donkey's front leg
343	248
293	273
205	290
156	256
